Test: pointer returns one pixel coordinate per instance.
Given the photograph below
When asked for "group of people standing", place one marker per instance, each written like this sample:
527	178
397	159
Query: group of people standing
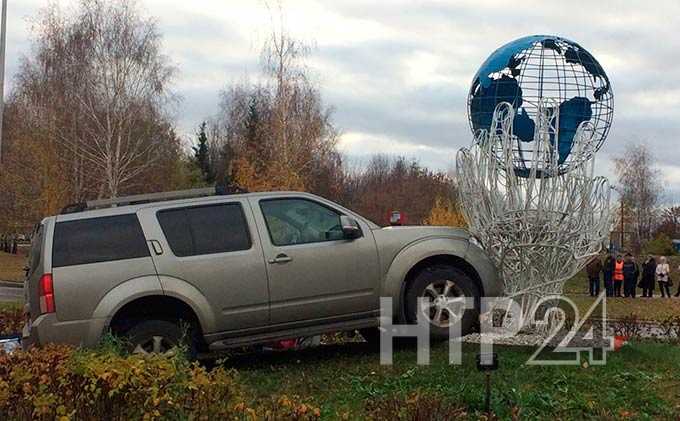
622	272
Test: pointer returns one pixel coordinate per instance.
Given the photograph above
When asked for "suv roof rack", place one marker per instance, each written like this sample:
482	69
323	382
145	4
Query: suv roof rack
151	197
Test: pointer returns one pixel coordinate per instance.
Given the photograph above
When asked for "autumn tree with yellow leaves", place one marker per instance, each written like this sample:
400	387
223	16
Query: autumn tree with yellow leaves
277	134
445	212
101	62
87	117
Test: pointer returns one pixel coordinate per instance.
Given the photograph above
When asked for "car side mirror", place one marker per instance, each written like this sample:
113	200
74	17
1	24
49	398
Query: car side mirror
350	228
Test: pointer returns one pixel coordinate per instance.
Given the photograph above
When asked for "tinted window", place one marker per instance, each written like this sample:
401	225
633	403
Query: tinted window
205	229
36	249
300	221
177	231
98	240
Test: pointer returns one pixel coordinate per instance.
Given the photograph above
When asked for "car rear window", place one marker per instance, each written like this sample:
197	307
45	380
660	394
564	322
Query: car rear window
208	229
36	249
95	240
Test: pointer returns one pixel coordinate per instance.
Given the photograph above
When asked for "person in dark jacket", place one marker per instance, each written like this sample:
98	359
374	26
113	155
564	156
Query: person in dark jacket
593	270
607	275
648	277
630	276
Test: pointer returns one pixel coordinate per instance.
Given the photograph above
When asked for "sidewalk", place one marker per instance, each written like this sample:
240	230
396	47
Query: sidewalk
11	284
11	294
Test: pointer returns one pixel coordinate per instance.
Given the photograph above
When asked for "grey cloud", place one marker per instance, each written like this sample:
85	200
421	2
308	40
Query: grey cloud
365	79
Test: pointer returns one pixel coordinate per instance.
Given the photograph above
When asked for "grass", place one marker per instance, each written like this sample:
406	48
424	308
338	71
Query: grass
578	285
12	267
650	309
9	305
654	309
642	381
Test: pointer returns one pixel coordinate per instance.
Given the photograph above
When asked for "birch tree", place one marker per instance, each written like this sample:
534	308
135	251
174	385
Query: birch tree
639	183
101	85
124	89
86	116
277	131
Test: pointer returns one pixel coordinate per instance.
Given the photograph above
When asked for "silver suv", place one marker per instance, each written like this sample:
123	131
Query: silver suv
237	269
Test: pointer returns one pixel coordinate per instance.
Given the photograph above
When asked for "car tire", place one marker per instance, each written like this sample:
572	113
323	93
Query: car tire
161	337
446	281
371	335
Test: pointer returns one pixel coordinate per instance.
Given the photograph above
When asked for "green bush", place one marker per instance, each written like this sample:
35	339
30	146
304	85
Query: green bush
11	319
659	246
58	382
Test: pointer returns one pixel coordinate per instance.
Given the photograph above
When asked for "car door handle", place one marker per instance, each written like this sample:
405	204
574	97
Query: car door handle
281	258
156	247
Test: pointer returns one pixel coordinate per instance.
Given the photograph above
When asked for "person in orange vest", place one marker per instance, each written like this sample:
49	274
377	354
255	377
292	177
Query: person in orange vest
618	275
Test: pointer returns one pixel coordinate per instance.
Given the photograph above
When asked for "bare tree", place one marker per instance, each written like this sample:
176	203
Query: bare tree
277	132
639	183
101	80
669	222
124	88
86	116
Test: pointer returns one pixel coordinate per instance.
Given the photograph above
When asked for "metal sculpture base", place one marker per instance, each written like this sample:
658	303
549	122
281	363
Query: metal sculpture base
539	227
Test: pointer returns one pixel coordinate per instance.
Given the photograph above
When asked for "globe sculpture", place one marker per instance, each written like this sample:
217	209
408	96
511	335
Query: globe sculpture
539	107
536	70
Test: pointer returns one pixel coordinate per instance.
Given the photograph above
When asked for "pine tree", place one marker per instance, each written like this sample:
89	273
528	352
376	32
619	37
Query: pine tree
254	143
202	155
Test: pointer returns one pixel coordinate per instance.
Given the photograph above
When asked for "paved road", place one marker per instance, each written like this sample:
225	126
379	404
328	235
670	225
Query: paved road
8	293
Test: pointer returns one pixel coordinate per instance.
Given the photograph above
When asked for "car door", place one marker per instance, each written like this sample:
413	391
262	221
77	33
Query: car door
314	273
215	248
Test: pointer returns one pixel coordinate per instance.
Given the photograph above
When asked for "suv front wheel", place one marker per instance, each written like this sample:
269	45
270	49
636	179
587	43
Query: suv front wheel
443	289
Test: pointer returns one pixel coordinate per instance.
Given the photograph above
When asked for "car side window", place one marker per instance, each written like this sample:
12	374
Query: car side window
300	221
102	239
207	229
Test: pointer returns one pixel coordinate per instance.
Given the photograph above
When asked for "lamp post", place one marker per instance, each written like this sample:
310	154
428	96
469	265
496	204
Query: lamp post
622	221
486	363
3	38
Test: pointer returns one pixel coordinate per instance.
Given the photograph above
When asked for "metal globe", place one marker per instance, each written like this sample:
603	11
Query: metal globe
547	75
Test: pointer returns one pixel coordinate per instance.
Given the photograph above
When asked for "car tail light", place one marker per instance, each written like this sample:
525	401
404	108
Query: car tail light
46	294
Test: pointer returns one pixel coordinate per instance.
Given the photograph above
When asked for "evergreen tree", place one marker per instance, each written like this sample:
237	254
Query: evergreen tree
202	155
227	156
255	147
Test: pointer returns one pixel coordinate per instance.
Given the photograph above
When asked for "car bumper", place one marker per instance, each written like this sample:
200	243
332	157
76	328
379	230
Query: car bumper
48	329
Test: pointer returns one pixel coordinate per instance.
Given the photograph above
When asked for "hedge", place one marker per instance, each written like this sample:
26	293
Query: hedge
62	383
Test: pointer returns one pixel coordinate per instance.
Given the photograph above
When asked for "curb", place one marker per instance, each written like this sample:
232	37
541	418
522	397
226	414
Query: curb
10	284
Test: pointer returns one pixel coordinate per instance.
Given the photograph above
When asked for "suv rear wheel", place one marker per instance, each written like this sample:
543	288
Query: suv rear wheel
160	337
441	286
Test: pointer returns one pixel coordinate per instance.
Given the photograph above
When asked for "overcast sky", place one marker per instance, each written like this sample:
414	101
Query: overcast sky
397	72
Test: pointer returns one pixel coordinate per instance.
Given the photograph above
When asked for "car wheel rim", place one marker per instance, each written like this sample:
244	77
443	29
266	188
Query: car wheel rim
443	303
155	345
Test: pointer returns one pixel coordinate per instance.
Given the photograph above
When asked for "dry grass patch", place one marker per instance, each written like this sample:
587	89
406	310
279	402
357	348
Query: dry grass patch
647	309
12	267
